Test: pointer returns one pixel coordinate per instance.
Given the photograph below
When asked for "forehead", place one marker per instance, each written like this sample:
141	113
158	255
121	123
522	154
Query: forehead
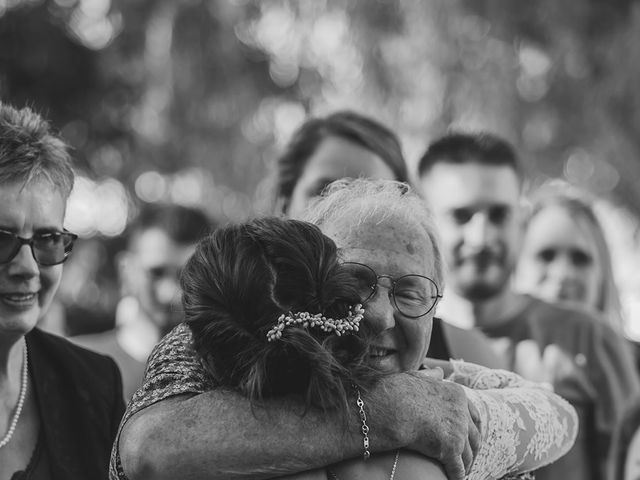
448	186
391	246
554	226
154	247
338	158
35	204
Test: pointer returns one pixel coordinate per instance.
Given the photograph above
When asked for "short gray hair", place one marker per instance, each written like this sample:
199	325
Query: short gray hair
361	199
30	150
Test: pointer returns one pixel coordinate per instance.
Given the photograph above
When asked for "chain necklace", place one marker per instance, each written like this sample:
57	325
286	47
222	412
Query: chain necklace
23	394
393	469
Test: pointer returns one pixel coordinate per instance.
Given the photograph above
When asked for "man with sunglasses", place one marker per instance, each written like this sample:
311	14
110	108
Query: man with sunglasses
59	404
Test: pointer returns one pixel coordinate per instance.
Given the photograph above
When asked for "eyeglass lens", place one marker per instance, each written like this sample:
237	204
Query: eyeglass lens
413	295
48	248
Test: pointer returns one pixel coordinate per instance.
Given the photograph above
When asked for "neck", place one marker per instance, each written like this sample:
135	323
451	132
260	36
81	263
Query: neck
489	312
11	359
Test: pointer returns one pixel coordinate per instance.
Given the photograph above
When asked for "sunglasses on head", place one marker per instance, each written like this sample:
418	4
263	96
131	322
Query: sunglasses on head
48	248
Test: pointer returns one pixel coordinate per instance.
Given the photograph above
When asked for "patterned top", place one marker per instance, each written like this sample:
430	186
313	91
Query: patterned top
523	424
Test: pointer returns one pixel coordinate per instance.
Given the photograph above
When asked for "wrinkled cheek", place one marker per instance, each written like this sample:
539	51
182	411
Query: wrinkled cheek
417	350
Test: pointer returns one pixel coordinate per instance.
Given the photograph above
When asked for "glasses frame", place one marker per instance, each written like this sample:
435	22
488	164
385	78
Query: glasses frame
21	241
392	290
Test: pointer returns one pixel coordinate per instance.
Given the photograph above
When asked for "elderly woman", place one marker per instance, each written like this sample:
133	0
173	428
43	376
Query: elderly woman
187	418
59	404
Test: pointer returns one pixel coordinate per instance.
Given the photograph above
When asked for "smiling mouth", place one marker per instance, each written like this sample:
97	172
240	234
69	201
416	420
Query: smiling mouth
19	299
380	352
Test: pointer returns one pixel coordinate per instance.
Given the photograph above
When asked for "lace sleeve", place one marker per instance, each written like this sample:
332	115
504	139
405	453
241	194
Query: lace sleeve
524	425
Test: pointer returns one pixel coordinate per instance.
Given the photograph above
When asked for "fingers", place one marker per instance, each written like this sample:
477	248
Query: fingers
467	457
474	429
472	446
556	360
436	373
528	362
455	470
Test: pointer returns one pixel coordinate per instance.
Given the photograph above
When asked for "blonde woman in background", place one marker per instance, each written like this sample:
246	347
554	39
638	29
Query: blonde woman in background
565	256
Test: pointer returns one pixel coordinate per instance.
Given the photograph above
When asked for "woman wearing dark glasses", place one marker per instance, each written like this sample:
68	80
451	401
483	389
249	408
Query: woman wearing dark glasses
59	404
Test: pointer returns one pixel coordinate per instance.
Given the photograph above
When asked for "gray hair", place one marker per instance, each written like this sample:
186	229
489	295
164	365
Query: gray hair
30	150
362	199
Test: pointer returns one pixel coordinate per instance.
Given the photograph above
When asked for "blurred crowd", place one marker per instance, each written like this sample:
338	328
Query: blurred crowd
528	287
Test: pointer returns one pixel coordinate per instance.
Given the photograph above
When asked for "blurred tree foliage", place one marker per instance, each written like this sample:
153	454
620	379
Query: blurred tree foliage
205	92
165	85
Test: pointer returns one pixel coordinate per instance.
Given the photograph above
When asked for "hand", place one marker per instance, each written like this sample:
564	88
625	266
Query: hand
546	367
436	373
439	420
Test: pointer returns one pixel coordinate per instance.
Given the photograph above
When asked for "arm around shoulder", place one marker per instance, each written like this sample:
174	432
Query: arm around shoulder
219	434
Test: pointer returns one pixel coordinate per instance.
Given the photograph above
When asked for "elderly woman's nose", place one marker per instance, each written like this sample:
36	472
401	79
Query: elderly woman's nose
380	312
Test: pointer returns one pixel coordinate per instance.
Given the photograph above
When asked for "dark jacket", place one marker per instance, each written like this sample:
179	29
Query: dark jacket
80	402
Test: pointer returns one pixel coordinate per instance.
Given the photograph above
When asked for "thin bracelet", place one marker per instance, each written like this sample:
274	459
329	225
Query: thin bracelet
365	427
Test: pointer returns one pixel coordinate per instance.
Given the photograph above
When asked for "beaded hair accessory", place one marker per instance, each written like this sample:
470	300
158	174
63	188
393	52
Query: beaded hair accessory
340	326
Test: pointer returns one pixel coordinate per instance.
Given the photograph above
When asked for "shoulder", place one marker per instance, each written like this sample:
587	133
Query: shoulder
99	342
74	359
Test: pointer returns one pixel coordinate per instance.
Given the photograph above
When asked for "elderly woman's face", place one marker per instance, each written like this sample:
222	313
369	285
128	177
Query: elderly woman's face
26	288
392	247
559	259
334	159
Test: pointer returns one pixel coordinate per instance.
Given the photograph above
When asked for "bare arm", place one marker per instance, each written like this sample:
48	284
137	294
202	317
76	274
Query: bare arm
216	435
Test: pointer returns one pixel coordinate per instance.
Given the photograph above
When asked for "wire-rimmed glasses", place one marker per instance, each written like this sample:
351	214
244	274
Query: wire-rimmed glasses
413	295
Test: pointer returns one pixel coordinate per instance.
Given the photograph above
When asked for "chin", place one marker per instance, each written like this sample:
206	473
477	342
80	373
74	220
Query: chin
19	324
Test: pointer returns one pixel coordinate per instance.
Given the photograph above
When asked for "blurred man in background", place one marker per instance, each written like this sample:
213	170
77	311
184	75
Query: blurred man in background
159	243
473	183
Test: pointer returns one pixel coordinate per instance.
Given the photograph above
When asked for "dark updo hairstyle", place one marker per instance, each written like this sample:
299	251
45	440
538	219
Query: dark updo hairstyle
351	126
238	282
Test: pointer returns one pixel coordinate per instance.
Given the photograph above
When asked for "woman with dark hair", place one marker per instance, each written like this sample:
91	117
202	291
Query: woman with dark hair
343	144
275	313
